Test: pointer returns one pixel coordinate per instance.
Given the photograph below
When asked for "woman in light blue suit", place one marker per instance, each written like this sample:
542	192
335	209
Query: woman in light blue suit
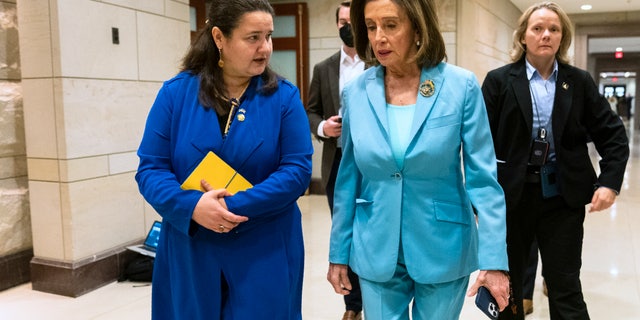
417	164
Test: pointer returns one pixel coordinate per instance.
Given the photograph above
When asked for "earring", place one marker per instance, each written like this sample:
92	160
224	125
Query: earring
418	43
220	61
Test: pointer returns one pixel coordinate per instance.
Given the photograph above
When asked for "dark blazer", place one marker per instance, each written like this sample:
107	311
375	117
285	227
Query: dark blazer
580	114
324	102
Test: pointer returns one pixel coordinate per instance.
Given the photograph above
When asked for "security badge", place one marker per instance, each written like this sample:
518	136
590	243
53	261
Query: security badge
427	88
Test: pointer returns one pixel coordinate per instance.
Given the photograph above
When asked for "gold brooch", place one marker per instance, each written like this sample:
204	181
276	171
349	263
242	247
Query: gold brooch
241	113
427	88
565	86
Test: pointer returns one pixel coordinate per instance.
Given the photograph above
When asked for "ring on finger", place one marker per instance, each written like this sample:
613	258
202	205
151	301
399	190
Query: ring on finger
221	228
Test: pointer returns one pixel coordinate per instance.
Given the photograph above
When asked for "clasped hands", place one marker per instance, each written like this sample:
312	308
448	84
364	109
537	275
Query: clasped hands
211	210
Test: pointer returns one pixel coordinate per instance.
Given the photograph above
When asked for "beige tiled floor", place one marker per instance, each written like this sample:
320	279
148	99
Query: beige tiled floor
610	272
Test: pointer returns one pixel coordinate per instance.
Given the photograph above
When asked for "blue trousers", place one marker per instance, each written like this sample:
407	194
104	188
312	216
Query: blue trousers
390	300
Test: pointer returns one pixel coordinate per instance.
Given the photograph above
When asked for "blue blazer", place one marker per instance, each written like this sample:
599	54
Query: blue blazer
426	207
272	149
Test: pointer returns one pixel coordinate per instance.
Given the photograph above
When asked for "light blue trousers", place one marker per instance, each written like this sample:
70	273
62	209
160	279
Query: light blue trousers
390	300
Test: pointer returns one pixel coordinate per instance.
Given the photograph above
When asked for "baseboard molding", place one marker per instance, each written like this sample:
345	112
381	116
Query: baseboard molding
14	269
77	278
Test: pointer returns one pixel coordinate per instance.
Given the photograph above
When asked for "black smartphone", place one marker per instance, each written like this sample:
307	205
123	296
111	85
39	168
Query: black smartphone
487	303
539	152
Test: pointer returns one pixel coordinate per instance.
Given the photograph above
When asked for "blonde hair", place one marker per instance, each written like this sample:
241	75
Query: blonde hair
518	49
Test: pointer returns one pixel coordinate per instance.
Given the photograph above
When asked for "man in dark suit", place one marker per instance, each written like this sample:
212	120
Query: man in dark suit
542	113
323	110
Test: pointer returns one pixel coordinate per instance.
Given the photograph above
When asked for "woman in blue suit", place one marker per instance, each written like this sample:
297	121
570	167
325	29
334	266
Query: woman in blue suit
224	256
417	163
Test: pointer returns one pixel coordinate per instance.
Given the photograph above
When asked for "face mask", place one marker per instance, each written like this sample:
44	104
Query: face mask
346	35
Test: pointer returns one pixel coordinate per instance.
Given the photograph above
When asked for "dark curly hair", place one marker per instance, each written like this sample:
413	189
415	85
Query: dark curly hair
203	55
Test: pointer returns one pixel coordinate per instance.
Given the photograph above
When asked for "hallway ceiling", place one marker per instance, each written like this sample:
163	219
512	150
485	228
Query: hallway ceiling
573	6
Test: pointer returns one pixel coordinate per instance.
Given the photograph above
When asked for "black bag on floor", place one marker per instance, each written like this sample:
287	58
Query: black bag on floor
140	269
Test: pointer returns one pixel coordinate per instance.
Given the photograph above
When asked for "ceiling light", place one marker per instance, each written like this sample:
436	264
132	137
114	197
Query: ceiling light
618	49
586	7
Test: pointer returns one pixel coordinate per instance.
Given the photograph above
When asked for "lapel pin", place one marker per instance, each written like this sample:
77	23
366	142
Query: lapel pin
241	113
565	86
427	88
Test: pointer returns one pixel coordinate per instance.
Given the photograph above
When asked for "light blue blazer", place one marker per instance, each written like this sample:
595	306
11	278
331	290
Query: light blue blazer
427	207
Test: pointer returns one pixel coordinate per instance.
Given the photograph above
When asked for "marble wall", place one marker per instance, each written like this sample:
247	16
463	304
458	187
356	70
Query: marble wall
86	99
485	34
15	230
15	223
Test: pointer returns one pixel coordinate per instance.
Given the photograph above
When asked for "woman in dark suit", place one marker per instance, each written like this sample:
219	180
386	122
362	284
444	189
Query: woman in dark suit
223	255
543	112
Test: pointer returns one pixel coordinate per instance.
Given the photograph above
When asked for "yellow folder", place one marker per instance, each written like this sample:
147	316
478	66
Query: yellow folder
218	174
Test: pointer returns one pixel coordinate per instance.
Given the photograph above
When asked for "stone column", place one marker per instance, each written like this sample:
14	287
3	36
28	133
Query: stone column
15	225
91	70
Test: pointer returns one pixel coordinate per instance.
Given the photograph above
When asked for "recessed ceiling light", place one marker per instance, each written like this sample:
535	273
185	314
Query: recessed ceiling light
586	7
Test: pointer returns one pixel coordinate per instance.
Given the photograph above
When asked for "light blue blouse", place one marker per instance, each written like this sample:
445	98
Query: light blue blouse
400	120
